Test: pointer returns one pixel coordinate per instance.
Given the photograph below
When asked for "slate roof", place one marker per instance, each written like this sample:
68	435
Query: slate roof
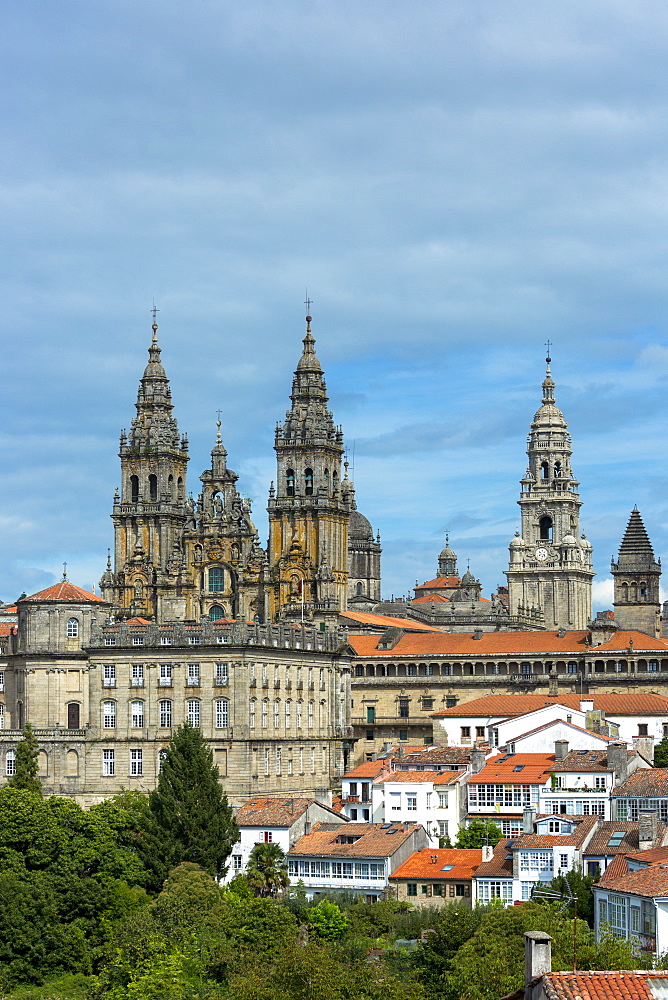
599	843
512	705
65	591
647	783
376	840
279	811
429	864
463	645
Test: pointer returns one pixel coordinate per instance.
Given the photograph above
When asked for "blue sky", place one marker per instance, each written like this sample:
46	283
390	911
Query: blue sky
454	182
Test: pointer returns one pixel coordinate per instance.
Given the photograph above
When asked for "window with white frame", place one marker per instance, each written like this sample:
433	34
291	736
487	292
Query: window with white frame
299	715
109	715
312	760
442	800
236	862
617	914
108	763
110	640
536	861
109	674
2	716
222	673
301	760
136	762
165	674
563	861
277	714
442	827
165	640
137	674
395	801
165	714
428	800
495	889
137	714
411	803
137	640
310	715
288	714
265	710
193	712
72	628
222	713
278	760
10	763
193	674
266	761
251	713
599	781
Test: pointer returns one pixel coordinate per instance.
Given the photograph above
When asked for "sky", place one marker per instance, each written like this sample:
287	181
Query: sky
455	183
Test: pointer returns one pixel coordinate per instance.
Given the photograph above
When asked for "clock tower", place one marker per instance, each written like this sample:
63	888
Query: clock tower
550	562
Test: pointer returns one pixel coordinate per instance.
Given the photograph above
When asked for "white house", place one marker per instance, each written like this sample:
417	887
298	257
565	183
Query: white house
276	821
431	798
582	781
359	857
631	900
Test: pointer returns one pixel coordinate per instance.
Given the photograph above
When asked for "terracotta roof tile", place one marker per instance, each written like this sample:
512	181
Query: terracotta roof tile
375	840
444	582
512	705
386	621
500	864
271	811
600	842
650	783
649	881
578	760
431	599
429	864
65	591
536	768
404	777
584	826
7	628
601	985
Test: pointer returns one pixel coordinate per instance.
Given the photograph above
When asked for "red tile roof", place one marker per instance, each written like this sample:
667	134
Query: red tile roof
649	881
435	777
583	827
435	757
429	864
386	621
536	769
600	842
444	582
463	645
512	705
372	768
272	811
375	840
649	783
65	591
600	985
576	760
500	863
7	628
431	599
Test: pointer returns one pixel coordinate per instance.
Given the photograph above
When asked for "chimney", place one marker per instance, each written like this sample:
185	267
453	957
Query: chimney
487	852
477	633
553	684
537	957
648	825
477	759
644	745
528	820
587	706
560	749
618	758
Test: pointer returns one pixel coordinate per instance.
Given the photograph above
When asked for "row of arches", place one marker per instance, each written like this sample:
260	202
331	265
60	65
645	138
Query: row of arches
175	488
470	668
308	482
71	763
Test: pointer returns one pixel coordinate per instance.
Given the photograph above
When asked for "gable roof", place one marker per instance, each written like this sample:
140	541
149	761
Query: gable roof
434	757
648	782
374	840
504	706
585	760
600	842
64	591
562	722
536	768
583	827
649	881
278	811
601	985
429	864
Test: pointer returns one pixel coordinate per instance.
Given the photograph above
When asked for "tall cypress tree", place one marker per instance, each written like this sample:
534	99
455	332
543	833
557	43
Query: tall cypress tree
26	763
188	818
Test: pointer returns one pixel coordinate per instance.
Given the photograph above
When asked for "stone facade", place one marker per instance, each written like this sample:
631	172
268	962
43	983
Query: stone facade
637	573
550	564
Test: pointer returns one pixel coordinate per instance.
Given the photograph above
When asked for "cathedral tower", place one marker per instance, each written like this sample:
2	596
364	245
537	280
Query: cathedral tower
148	576
550	565
636	574
310	506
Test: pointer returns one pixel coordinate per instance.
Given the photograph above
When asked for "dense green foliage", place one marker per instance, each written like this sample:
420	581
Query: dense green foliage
661	753
26	763
189	818
267	870
478	833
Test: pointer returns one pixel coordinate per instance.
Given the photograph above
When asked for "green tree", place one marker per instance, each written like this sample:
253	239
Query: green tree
661	753
267	870
452	928
26	763
574	883
189	818
478	833
326	921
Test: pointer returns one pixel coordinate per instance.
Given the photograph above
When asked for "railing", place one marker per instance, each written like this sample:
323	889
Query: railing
136	682
241	633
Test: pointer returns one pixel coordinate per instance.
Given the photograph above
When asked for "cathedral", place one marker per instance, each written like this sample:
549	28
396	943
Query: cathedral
180	559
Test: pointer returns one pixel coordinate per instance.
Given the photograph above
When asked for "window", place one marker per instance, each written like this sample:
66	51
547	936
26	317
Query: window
353	813
442	800
403	708
137	640
299	715
411	803
403	735
288	714
137	678
546	528
222	673
308	482
165	675
617	914
73	715
526	669
369	734
251	713
466	733
370	714
599	782
443	828
411	671
277	714
236	862
653	666
488	890
109	714
165	640
411	888
72	628
265	708
428	703
165	714
10	763
480	732
563	861
193	674
642	729
290	482
109	675
216	579
137	713
134	489
451	700
572	667
193	713
110	640
395	801
108	763
136	762
216	613
152	487
311	709
222	713
278	760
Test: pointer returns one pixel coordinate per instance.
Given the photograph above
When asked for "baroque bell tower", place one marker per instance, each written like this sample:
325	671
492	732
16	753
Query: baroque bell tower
149	574
550	563
310	505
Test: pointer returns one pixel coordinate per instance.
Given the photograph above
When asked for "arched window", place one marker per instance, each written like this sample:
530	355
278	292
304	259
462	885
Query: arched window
251	713
193	713
545	524
134	489
72	628
277	714
73	715
43	764
216	613
288	714
557	470
265	709
358	589
545	470
308	482
216	578
72	764
170	487
290	482
153	487
137	714
222	713
335	481
10	763
109	714
326	475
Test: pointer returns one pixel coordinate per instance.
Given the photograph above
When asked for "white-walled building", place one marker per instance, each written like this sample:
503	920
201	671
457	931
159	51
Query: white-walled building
631	900
432	798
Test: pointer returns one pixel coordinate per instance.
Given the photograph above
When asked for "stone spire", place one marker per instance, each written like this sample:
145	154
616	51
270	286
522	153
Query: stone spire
636	577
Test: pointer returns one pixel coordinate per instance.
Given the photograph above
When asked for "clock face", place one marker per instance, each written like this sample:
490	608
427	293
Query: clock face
541	554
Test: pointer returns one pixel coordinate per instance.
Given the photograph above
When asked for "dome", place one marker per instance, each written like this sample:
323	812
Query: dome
517	543
569	540
548	415
359	527
468	578
447	553
585	543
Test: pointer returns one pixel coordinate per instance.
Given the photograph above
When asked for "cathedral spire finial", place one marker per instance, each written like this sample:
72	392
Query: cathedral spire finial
219	439
154	325
64	571
548	384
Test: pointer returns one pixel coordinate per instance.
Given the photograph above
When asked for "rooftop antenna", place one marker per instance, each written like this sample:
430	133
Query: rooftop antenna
567	898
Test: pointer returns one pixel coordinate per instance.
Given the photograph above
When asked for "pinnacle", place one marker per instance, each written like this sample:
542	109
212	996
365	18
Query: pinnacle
636	541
